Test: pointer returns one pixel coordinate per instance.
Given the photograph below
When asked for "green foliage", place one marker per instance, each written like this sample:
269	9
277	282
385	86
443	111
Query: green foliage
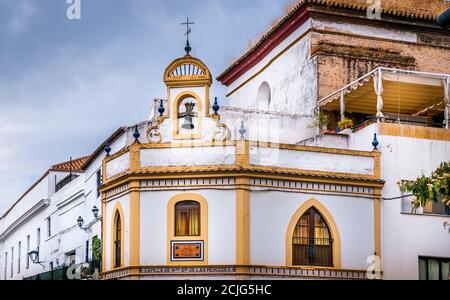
320	121
434	188
97	248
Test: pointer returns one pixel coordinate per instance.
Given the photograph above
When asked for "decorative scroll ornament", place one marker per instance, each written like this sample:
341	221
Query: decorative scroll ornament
153	133
222	133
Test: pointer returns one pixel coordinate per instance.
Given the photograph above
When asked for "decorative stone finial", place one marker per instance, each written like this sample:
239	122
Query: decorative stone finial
242	131
375	142
161	108
107	149
136	133
216	106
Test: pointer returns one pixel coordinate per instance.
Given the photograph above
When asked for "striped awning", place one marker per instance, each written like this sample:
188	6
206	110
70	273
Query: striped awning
404	92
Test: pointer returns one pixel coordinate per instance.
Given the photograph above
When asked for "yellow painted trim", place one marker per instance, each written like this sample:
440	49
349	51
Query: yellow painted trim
331	225
104	232
134	223
377	222
191	80
242	224
269	63
175	132
411	131
135	157
117	209
203	229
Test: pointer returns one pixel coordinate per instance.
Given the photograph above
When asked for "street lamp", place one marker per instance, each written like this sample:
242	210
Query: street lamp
88	227
80	222
95	212
34	256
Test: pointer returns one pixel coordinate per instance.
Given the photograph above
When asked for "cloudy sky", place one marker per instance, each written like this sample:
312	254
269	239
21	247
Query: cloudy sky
65	85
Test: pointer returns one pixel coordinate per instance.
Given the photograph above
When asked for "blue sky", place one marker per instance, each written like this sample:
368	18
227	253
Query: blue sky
65	85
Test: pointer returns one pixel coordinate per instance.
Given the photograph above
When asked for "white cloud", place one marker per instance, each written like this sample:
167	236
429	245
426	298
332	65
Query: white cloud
22	13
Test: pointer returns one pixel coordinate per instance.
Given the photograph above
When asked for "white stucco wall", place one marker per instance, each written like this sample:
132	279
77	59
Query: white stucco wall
310	160
406	237
221	226
198	156
124	202
291	77
271	212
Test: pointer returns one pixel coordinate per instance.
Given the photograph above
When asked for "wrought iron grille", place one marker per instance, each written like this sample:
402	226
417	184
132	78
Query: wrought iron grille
312	242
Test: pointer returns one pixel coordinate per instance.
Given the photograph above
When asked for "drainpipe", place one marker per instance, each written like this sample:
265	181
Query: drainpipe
443	19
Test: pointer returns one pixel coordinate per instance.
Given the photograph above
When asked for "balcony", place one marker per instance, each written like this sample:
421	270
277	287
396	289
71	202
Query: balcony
407	103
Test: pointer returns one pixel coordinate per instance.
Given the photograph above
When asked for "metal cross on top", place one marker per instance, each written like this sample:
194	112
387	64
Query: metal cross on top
188	48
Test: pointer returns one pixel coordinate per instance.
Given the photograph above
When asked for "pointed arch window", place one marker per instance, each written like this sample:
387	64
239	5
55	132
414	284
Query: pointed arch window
312	242
117	241
187	218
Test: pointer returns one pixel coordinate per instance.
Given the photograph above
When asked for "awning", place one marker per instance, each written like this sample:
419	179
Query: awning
402	92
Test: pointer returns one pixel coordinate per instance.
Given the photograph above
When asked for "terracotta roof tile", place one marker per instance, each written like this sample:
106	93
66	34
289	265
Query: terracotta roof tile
416	9
74	165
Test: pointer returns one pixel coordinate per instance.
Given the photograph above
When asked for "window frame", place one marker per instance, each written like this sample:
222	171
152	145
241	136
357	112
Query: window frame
190	205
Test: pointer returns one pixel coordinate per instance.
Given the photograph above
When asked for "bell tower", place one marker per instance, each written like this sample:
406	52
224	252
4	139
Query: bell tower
188	82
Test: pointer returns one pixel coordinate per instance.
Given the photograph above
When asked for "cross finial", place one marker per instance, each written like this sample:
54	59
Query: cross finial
188	48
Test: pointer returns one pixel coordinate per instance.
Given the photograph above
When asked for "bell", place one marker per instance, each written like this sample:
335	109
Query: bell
188	115
188	125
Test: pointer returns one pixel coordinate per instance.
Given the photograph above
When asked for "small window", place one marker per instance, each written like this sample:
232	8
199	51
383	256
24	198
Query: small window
28	251
19	254
118	242
99	182
434	268
187	218
6	265
12	262
263	97
38	237
49	227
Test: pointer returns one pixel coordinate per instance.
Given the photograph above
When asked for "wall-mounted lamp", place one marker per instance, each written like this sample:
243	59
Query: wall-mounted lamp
88	228
34	256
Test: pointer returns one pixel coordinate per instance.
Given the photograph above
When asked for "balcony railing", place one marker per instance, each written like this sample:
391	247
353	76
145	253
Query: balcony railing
83	271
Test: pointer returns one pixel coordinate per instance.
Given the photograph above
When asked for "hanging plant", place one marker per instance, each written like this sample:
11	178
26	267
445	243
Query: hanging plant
434	188
320	121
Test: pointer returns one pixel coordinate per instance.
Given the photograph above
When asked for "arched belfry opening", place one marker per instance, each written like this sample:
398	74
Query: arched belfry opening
188	81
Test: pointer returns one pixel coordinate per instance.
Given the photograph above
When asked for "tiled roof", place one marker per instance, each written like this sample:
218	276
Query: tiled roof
74	165
415	9
65	166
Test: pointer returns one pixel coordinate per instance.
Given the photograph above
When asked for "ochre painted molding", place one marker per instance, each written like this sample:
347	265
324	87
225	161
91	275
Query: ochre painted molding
242	224
134	223
117	210
331	225
411	131
377	222
203	228
104	232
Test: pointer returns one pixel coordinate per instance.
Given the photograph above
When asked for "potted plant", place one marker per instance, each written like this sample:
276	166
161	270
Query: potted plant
320	121
346	126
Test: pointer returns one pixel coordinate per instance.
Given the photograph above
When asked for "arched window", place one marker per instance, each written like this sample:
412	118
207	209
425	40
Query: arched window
263	97
117	241
312	242
187	218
